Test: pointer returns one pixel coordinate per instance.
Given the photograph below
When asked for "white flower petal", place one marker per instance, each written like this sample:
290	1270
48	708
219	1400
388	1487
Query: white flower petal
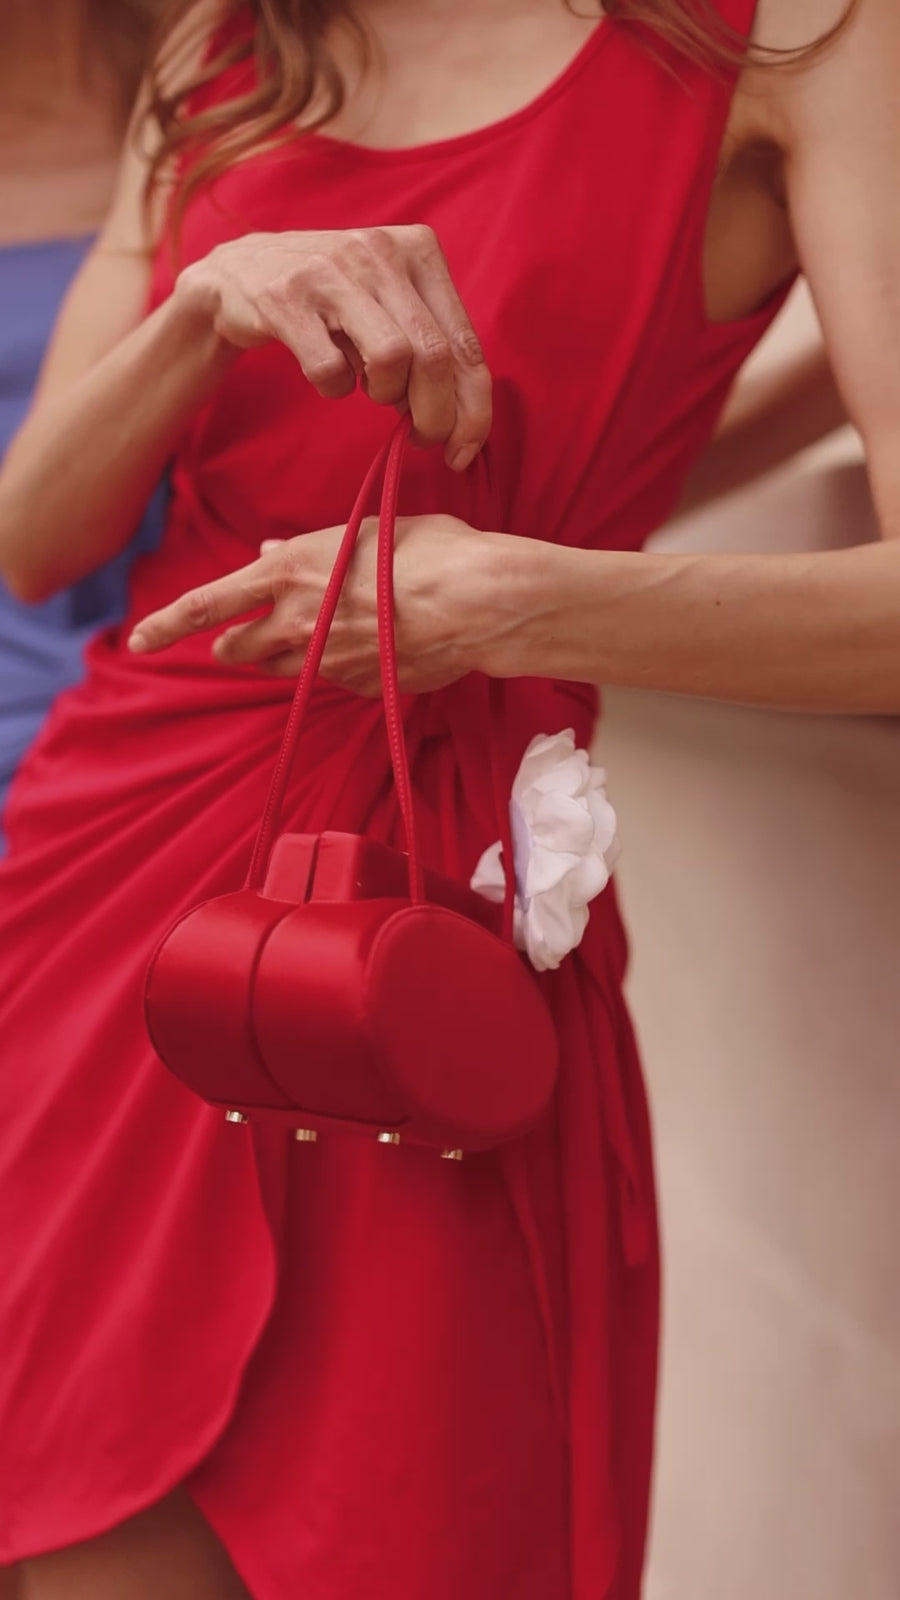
547	869
543	753
560	822
566	777
587	879
550	934
565	843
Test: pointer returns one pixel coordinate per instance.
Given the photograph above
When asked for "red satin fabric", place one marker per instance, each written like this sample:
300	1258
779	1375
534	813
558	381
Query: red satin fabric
379	1374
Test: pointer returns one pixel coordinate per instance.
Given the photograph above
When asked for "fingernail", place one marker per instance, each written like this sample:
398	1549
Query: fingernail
463	458
137	641
269	544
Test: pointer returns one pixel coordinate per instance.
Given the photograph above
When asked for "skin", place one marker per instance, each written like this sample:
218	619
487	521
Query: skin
812	631
167	1552
815	632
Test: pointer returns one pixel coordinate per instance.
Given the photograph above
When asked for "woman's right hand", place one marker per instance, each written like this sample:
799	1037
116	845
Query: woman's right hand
376	305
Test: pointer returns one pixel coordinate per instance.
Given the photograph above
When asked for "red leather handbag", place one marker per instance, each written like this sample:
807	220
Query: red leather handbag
345	987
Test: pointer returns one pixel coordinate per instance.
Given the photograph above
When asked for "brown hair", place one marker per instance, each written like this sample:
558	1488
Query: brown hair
296	76
696	30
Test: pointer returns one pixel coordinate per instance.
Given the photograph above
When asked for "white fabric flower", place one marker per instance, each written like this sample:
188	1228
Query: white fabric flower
565	846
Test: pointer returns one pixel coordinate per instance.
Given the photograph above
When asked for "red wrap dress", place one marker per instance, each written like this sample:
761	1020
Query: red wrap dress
381	1376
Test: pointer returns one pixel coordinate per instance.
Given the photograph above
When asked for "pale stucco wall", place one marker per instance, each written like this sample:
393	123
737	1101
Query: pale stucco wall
761	878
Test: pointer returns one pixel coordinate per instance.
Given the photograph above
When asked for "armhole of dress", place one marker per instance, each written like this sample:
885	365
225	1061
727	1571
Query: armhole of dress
739	15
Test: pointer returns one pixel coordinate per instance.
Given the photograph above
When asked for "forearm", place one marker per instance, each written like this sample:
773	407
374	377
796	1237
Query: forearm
805	632
79	473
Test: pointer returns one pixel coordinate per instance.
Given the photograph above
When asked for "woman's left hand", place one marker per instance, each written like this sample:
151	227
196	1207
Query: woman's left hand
450	583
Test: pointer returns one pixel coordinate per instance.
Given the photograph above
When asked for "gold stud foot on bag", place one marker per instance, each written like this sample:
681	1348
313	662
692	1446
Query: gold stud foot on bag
305	1135
236	1116
389	1138
451	1155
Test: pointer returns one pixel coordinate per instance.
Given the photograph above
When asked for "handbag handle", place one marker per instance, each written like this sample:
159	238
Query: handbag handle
389	460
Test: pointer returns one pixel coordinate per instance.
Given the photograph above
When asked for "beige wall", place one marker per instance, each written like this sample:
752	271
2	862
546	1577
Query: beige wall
761	878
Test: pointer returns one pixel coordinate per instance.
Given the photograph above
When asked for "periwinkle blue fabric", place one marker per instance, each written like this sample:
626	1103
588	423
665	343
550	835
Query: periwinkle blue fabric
41	646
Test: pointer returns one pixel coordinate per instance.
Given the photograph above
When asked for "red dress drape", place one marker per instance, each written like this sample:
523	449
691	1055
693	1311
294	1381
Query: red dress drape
379	1374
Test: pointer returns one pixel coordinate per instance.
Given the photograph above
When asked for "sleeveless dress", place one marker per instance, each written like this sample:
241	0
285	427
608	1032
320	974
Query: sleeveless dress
378	1374
41	647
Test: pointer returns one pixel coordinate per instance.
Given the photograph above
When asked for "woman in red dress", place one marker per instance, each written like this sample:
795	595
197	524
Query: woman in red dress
233	1364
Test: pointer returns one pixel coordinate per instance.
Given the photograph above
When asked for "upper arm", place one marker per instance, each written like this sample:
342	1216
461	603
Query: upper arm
839	124
107	296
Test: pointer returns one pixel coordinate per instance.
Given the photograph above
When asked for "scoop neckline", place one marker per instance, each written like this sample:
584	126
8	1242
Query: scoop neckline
349	149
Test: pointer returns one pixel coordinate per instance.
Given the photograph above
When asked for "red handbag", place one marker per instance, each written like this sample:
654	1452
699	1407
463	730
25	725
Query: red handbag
345	987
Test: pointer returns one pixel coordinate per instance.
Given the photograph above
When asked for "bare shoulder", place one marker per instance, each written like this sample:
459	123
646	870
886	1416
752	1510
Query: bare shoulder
859	40
798	25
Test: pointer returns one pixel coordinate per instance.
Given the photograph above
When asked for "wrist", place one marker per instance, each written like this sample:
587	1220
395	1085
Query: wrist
189	327
524	583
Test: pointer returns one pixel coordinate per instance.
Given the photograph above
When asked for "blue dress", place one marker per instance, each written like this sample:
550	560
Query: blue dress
41	646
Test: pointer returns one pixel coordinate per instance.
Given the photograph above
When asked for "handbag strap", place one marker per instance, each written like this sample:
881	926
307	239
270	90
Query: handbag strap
387	653
388	461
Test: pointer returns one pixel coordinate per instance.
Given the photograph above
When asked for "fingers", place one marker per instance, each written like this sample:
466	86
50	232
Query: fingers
254	643
360	678
389	339
329	368
206	607
337	329
381	304
280	652
430	390
287	665
431	277
384	345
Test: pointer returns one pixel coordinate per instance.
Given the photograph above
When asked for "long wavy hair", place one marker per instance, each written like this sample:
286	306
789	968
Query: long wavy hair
296	77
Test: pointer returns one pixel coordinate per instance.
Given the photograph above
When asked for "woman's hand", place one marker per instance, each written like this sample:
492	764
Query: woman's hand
452	587
374	304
